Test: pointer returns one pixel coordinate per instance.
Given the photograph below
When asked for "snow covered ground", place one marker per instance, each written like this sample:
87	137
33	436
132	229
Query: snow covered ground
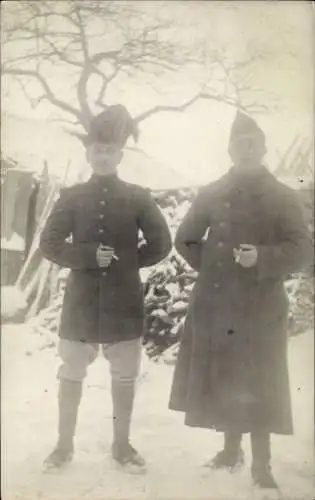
175	453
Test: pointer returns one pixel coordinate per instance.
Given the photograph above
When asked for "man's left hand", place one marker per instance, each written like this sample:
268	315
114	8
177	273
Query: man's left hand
246	255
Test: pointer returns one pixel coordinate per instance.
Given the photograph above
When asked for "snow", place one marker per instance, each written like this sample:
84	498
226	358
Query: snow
15	242
12	301
175	453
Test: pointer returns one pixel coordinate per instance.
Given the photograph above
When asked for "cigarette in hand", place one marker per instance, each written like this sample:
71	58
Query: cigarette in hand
105	247
237	255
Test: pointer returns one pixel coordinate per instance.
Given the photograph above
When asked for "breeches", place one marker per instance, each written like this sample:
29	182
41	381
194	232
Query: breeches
124	359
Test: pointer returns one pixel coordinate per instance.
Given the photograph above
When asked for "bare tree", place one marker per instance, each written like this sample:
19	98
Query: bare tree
95	44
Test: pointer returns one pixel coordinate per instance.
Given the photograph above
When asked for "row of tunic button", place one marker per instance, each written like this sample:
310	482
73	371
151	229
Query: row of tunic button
101	217
220	244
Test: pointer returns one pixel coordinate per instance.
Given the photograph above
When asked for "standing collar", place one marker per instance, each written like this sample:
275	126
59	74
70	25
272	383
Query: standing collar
104	180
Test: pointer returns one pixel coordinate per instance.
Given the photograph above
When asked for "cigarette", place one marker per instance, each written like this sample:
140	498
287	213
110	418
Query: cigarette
237	259
105	247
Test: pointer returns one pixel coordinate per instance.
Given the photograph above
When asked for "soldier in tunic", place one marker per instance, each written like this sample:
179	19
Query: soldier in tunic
244	234
103	303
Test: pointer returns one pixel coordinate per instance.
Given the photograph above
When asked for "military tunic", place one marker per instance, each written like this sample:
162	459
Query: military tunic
231	371
104	305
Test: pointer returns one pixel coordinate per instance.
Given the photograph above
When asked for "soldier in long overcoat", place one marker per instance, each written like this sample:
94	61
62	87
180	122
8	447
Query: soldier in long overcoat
94	230
244	234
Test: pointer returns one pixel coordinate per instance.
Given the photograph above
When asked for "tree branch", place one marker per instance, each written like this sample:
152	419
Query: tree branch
105	81
49	95
182	107
62	54
85	74
145	46
100	97
25	92
102	56
134	49
44	55
46	15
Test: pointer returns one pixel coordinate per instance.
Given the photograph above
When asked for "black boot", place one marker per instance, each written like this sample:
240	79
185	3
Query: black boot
122	451
69	400
261	470
232	456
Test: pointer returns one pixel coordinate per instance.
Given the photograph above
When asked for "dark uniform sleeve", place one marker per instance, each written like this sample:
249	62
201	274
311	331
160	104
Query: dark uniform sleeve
155	231
188	241
295	250
58	228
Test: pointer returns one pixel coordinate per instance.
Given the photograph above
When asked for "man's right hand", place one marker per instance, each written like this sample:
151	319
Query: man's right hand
104	255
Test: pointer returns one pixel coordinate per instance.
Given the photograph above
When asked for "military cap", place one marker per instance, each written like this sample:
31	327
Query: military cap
113	126
245	125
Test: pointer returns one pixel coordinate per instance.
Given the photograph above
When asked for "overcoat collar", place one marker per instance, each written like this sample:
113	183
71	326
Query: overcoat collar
253	177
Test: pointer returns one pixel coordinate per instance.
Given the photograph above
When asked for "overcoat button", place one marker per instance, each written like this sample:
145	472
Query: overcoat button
104	274
102	202
101	231
222	224
101	216
220	244
216	285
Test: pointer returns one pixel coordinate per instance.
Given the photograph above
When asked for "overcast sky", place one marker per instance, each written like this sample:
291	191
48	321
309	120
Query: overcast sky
195	142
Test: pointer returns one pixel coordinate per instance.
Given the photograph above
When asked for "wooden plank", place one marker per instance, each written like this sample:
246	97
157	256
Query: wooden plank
16	191
45	187
282	165
304	163
35	244
296	157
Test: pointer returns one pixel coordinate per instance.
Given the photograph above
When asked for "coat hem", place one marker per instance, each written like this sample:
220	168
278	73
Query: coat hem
104	340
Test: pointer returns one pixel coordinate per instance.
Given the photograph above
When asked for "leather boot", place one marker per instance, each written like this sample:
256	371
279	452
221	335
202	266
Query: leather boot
261	470
69	398
123	397
232	456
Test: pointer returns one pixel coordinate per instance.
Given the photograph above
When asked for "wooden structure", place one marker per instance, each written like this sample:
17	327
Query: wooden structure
18	187
297	162
23	196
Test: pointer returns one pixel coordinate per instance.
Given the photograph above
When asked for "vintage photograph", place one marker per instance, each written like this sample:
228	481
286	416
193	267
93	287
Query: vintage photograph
157	250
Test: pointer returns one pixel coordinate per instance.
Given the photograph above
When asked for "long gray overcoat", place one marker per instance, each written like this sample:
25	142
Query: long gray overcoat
231	371
104	305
